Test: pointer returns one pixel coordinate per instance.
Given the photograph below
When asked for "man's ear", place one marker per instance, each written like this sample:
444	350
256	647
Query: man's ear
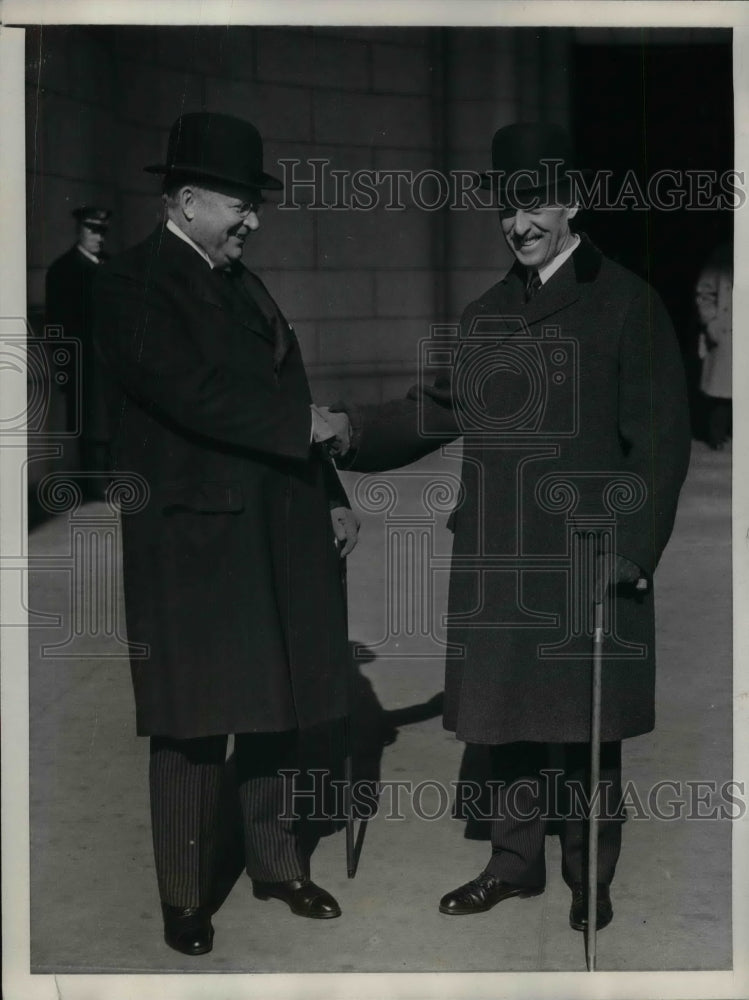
187	200
572	211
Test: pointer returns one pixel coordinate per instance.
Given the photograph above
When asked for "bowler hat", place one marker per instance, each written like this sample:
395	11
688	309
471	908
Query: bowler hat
530	160
203	144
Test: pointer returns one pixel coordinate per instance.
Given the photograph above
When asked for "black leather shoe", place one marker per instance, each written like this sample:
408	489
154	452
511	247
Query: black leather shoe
579	908
482	893
188	929
304	897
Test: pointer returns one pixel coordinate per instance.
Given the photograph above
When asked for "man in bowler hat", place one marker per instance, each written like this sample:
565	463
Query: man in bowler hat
68	304
231	565
567	386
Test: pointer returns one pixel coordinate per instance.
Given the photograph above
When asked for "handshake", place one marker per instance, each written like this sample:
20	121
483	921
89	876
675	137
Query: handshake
333	430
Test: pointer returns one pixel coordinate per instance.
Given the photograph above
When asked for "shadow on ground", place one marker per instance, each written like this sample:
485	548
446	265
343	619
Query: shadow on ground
364	735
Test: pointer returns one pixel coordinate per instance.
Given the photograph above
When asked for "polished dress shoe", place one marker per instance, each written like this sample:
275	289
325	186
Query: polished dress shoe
482	893
304	897
188	929
579	908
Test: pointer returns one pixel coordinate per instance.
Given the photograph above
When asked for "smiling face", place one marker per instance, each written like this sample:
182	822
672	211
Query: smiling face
222	223
537	235
218	218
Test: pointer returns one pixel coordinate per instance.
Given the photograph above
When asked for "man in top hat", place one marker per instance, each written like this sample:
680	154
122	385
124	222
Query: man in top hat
231	569
567	386
68	304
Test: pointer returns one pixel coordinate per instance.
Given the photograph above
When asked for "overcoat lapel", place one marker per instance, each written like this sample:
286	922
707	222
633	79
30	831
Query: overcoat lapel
558	293
281	331
562	290
564	287
214	289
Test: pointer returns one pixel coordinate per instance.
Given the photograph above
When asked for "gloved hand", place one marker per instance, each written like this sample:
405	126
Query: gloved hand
625	571
621	570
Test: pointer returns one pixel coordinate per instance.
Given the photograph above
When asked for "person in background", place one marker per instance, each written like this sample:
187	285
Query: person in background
713	296
68	304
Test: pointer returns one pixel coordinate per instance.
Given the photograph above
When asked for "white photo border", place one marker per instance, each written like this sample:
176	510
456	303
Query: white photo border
17	981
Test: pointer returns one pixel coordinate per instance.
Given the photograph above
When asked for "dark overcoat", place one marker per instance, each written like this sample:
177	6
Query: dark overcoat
574	418
230	568
69	304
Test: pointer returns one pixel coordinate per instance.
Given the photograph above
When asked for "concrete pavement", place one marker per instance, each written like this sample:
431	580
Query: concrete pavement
94	900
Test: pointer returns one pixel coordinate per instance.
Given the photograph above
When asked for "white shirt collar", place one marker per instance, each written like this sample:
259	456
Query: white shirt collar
553	266
87	254
174	228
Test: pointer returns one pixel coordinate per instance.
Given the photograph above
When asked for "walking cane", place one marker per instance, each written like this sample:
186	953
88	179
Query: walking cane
347	761
600	586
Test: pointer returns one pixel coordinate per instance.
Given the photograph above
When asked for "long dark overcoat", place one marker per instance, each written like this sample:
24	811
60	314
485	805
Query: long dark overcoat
574	418
230	570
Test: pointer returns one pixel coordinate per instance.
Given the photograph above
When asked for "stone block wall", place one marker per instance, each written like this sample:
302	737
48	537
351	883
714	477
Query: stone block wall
362	287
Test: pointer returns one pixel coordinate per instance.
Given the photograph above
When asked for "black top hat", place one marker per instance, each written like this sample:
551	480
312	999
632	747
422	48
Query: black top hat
216	147
92	215
530	159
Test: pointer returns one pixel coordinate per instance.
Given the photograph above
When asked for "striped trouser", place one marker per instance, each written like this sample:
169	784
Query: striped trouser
185	782
528	794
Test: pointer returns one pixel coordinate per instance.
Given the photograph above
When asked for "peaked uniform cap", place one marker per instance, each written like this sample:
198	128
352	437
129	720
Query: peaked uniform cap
92	213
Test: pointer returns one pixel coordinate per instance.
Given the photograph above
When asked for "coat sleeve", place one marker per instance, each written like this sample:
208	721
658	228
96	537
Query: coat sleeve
654	426
337	496
145	345
401	431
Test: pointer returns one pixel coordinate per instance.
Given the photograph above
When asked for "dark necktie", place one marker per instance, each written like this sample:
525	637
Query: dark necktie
532	284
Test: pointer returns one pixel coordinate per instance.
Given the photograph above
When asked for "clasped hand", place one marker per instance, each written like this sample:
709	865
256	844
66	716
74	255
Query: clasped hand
331	429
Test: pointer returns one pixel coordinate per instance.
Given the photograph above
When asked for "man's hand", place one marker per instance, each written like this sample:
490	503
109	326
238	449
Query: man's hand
340	426
626	571
321	429
346	528
621	571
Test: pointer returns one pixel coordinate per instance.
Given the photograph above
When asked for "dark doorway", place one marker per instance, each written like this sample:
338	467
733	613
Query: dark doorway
650	107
